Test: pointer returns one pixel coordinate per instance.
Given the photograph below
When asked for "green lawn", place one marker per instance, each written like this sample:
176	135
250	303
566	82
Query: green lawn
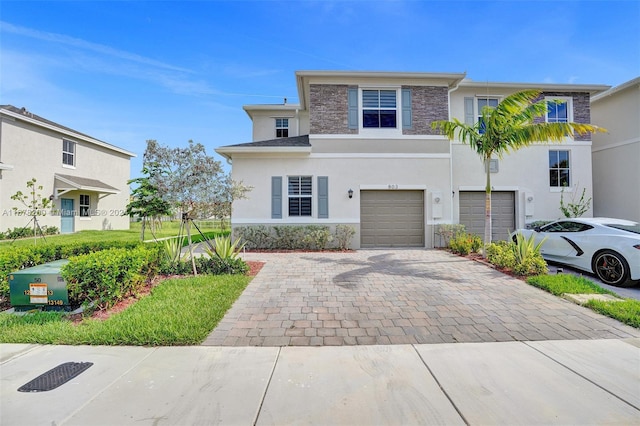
626	311
168	229
180	311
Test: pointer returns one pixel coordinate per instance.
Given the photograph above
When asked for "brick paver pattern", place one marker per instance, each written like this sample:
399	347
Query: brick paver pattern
373	297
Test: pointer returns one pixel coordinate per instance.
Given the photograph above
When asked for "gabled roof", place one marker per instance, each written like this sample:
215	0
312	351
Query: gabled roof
614	90
25	115
294	144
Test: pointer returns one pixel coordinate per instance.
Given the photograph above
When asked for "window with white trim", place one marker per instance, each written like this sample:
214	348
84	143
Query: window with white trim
558	111
85	205
379	108
559	169
300	194
68	153
282	127
480	104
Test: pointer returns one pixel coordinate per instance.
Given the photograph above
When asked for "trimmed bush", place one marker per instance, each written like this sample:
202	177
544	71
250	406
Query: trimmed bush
463	243
108	276
295	237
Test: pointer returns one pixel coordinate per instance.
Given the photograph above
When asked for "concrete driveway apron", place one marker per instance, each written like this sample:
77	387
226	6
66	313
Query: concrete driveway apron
373	297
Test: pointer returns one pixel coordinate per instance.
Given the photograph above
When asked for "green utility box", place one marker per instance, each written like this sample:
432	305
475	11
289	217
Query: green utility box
39	287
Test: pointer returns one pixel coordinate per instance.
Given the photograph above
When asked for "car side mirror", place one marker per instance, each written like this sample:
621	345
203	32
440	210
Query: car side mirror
537	229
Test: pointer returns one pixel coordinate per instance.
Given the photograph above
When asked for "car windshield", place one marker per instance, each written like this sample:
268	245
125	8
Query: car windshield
634	227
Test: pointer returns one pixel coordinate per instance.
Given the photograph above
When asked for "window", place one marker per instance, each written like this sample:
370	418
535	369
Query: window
300	195
566	226
85	206
282	127
68	152
379	109
557	111
485	102
559	168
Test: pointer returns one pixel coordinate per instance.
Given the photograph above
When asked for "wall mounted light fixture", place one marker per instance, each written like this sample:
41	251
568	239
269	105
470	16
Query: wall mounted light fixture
350	192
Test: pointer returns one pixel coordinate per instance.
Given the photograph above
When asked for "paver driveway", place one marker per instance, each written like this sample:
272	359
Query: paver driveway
397	297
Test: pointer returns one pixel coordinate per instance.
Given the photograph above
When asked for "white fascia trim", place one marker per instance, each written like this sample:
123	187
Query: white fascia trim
392	187
591	88
376	137
380	155
67	133
290	221
616	145
6	166
263	150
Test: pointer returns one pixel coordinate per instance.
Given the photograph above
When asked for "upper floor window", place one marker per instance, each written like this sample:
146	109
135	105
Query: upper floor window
379	109
300	193
85	205
68	153
558	110
282	127
559	169
482	103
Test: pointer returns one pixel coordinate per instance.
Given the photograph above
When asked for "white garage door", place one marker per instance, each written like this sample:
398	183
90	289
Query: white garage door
502	213
392	218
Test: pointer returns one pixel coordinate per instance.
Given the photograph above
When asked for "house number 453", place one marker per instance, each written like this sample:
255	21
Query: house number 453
393	186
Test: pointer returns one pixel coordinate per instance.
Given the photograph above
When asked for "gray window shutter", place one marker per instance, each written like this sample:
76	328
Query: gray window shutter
323	197
353	108
406	108
276	197
469	116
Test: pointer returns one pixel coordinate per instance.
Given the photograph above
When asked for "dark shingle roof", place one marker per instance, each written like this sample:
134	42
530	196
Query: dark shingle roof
301	141
29	114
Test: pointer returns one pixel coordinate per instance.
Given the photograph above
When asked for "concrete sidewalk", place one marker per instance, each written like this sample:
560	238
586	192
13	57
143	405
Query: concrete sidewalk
541	382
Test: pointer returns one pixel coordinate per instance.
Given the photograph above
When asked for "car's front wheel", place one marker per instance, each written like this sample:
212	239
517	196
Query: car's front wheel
612	268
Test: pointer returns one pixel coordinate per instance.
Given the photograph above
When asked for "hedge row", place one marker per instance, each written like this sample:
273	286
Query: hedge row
15	258
295	237
103	278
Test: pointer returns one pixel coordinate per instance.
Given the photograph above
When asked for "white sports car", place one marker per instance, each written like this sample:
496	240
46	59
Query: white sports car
610	248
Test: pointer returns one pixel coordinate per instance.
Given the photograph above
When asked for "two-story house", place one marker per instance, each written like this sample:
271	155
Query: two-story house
85	178
359	149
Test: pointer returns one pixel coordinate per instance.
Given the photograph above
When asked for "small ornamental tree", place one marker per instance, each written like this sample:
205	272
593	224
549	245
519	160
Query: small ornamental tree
34	203
146	202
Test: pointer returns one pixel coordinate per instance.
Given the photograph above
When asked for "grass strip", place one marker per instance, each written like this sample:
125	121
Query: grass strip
180	311
567	284
626	311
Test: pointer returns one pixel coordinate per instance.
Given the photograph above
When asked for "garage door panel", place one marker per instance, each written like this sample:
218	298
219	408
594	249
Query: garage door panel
471	207
392	218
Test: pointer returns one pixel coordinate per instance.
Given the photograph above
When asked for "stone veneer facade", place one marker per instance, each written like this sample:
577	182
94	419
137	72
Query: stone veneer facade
428	104
581	110
329	109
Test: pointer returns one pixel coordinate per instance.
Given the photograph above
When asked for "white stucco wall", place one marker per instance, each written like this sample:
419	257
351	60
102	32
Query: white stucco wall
428	174
264	121
526	172
36	152
616	154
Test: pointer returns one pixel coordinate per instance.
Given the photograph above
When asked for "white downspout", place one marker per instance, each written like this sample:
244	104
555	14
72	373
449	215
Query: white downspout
449	92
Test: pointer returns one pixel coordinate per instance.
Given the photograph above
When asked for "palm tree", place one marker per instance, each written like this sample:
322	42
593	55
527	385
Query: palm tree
508	127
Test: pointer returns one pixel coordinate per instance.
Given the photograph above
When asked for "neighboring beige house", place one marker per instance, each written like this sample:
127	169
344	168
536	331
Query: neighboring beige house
85	178
359	149
616	154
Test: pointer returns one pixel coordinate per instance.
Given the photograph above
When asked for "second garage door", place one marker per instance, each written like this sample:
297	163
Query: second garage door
502	213
392	218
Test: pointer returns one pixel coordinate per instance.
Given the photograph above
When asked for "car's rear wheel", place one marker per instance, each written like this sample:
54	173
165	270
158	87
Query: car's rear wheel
612	268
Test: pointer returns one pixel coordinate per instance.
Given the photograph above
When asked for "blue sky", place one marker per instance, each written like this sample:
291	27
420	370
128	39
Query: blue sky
124	72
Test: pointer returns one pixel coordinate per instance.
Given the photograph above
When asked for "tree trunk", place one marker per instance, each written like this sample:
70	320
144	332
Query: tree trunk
487	208
193	260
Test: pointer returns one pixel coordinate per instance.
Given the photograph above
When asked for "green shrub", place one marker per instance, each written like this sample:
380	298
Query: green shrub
447	231
207	266
255	237
106	277
463	243
289	237
316	237
343	235
15	258
500	254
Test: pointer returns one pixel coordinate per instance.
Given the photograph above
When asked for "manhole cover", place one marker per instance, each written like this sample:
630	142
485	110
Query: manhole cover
55	377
